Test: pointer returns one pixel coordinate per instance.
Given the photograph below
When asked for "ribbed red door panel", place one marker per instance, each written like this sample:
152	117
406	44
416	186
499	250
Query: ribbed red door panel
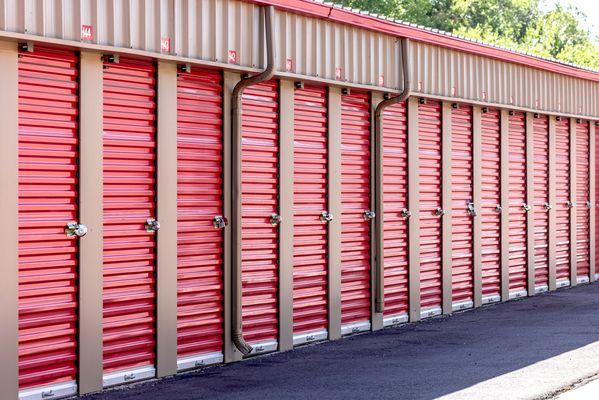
562	188
491	198
583	198
48	200
395	186
517	198
199	200
129	200
541	198
310	264
429	153
260	182
596	201
462	273
355	199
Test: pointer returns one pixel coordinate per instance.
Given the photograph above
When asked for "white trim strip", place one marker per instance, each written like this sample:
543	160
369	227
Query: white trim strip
134	375
199	361
462	305
264	347
517	294
395	320
541	289
50	392
430	312
562	283
494	298
355	328
582	279
309	337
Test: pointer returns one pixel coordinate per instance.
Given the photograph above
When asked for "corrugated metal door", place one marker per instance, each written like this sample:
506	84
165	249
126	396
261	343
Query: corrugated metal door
48	200
199	201
562	211
462	273
541	201
517	204
260	200
489	212
596	202
129	201
310	261
583	200
429	149
355	202
395	186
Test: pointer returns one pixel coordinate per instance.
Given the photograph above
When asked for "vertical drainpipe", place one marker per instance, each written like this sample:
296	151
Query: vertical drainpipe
379	303
267	74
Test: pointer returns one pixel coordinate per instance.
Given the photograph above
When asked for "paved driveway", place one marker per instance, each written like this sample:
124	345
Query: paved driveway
527	348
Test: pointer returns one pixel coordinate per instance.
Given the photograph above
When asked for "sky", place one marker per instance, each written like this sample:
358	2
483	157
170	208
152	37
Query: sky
589	7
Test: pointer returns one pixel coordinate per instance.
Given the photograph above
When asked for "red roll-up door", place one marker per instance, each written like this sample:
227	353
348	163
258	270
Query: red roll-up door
199	201
260	192
355	201
429	153
562	212
541	201
583	201
395	186
595	202
48	200
129	201
310	261
517	200
462	273
491	198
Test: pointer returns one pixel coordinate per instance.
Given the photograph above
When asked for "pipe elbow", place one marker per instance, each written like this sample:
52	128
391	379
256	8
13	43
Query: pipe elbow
241	344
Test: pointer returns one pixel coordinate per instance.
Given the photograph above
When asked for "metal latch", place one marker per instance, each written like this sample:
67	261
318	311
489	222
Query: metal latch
75	229
471	209
129	377
439	212
405	213
369	215
275	219
498	208
570	204
219	222
547	206
589	205
326	216
152	225
526	207
48	394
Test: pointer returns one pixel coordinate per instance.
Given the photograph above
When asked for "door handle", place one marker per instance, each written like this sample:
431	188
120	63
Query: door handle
75	229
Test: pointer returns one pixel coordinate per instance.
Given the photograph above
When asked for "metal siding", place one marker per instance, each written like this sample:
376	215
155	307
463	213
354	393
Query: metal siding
491	198
48	200
541	198
517	198
429	150
596	200
582	197
355	199
395	186
310	259
462	271
562	183
259	198
199	199
129	200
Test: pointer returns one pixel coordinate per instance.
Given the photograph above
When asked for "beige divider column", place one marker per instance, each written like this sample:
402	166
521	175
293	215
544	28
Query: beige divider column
477	199
166	277
413	206
552	238
334	125
286	122
376	225
530	189
90	214
592	199
573	274
505	220
9	201
230	79
446	200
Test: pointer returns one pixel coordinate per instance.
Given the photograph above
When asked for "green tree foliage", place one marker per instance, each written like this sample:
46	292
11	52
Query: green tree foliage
518	24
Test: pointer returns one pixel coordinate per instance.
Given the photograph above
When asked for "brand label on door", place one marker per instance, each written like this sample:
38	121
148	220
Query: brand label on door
87	32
